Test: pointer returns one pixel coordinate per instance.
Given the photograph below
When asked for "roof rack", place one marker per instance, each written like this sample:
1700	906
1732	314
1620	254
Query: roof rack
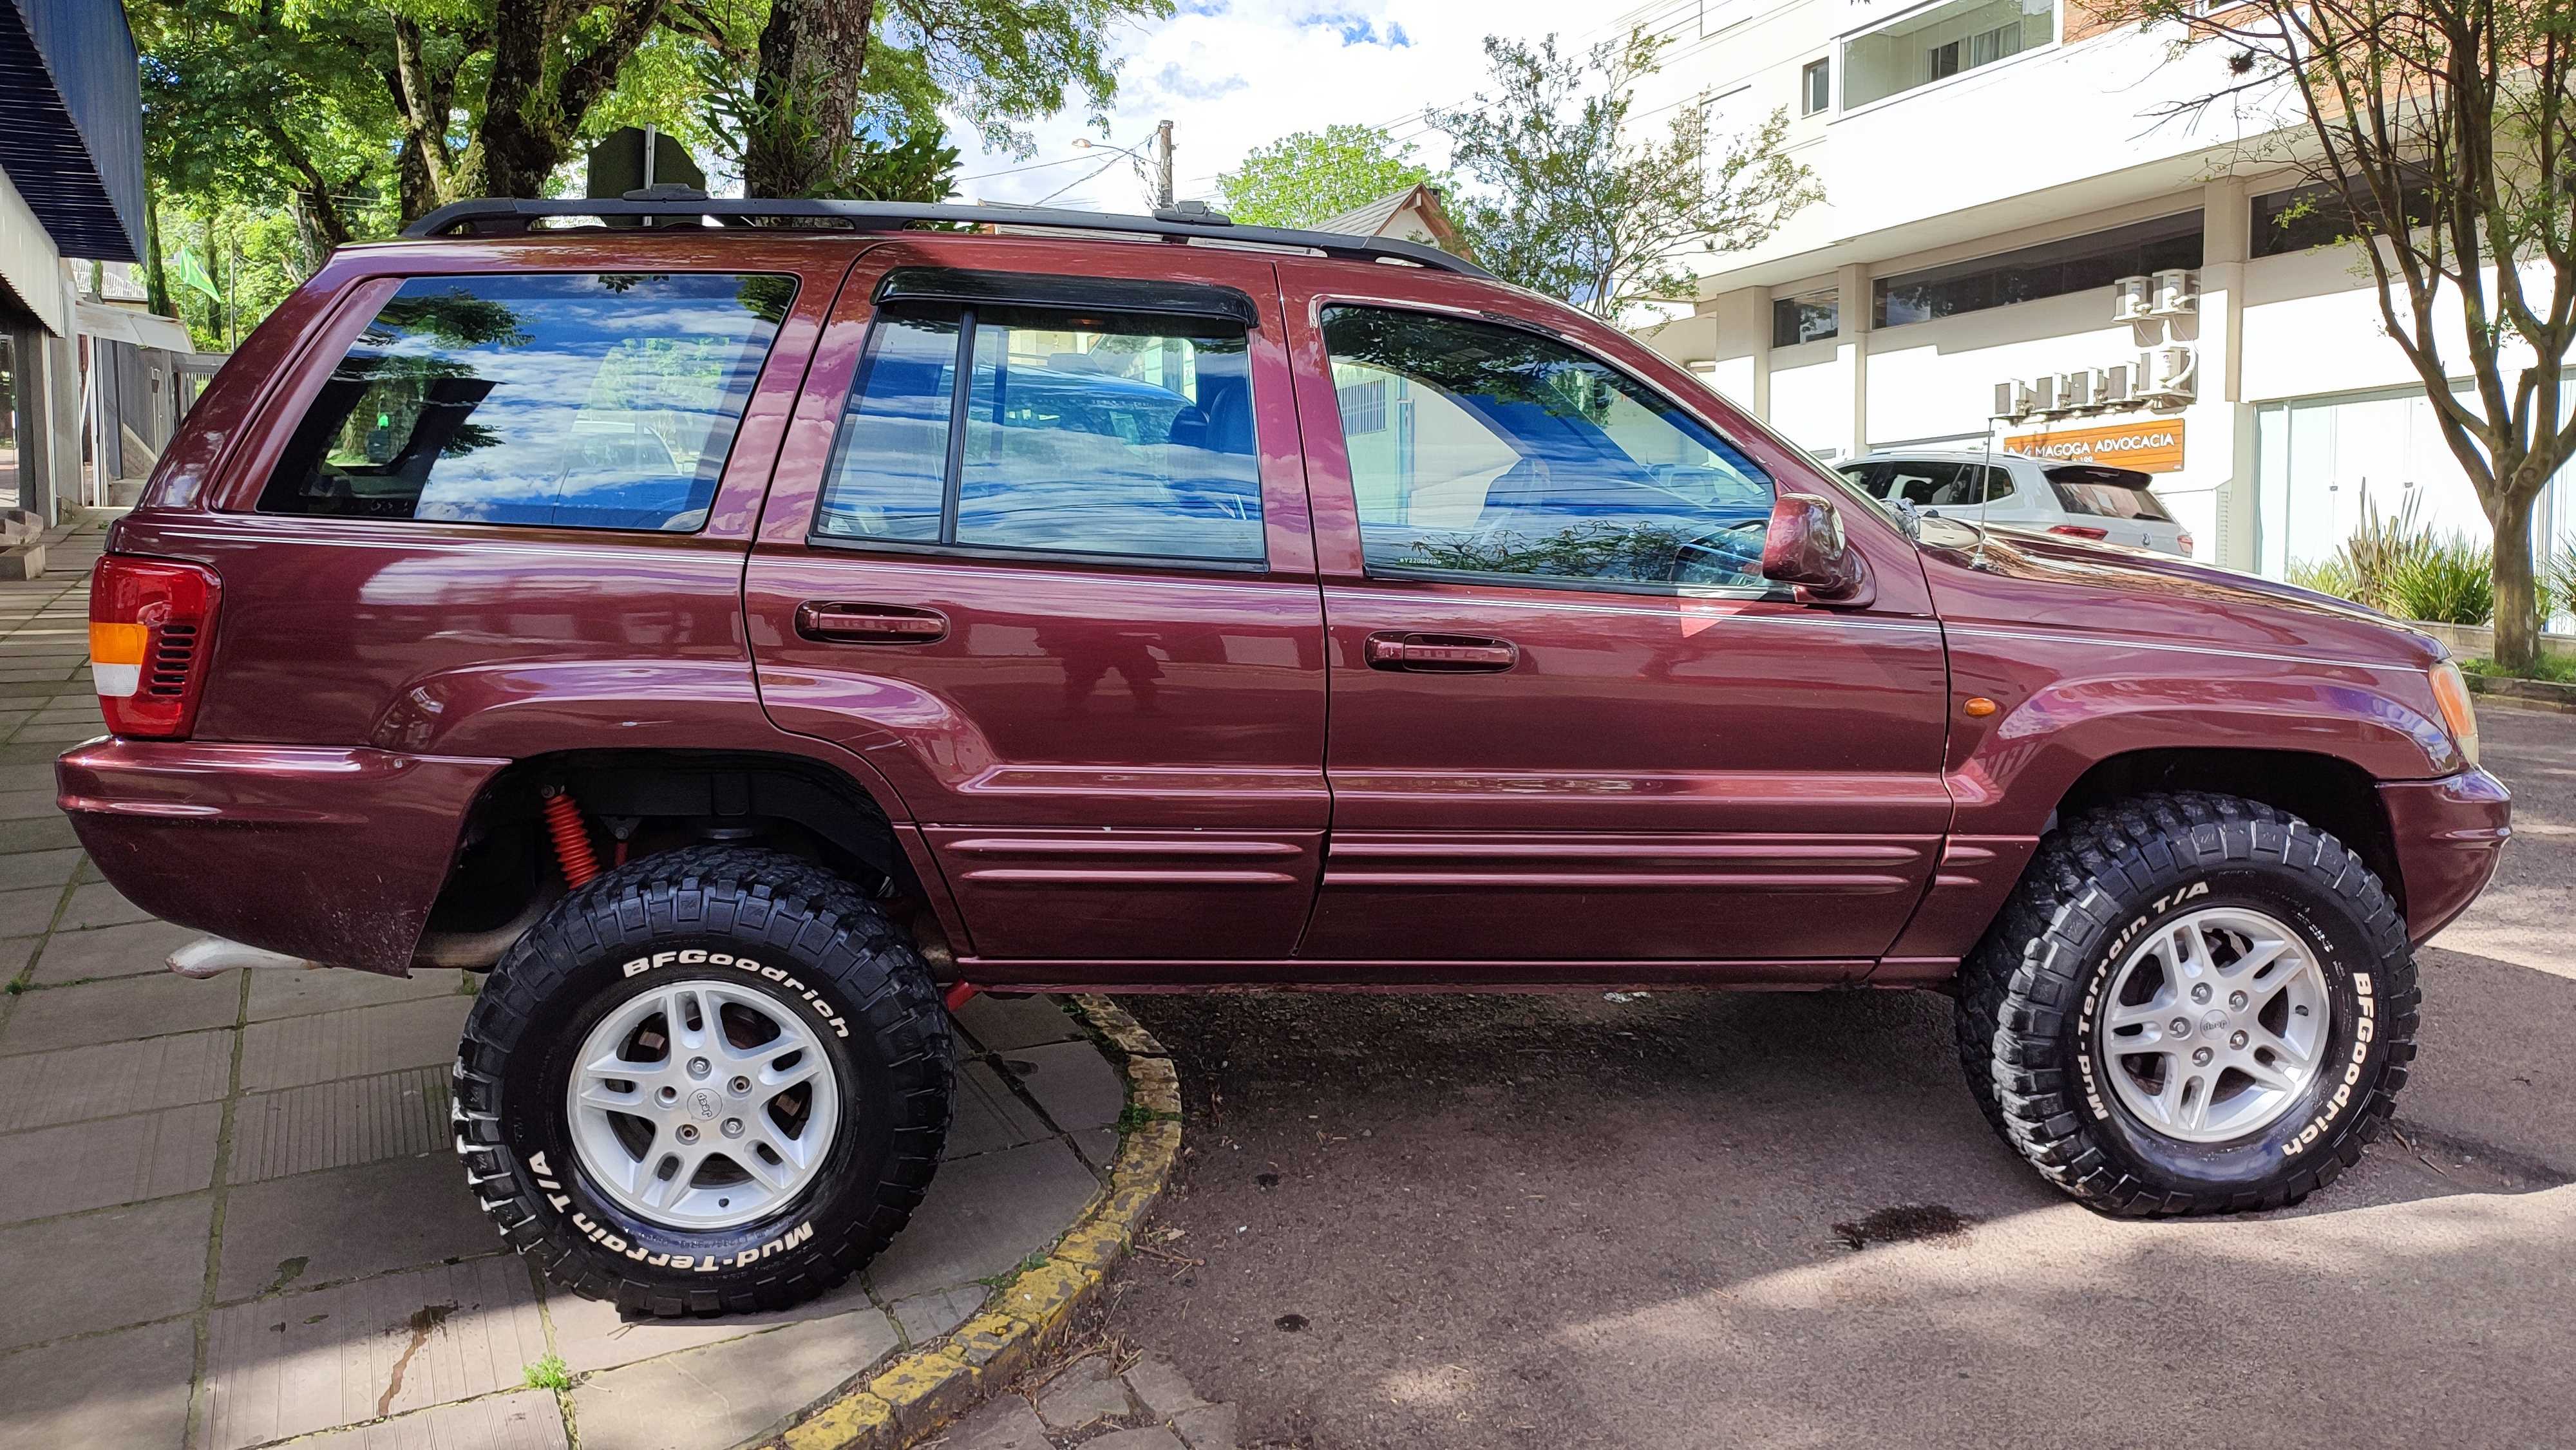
506	215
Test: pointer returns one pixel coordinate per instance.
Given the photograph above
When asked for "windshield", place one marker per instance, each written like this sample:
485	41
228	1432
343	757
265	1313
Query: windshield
2111	493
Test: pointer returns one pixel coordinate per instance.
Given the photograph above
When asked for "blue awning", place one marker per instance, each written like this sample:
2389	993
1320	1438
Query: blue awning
73	143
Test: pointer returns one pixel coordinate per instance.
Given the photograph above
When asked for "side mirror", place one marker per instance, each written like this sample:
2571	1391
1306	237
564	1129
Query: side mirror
1805	548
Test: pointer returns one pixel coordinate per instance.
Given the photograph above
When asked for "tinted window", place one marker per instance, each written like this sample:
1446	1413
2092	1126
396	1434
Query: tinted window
2053	269
1804	319
2114	493
1084	433
1927	484
603	401
2316	216
1507	453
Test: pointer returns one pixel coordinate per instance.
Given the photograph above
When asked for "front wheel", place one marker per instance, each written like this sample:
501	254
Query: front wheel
715	1080
2194	1004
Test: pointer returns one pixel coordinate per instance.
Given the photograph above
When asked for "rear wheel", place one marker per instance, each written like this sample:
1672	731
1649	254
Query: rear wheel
714	1080
2194	1004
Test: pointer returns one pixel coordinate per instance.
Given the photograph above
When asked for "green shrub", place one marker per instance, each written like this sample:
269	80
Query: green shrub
2327	576
2558	581
2443	581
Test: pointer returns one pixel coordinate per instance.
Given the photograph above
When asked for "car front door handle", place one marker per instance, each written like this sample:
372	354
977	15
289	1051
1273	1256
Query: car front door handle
834	623
1439	654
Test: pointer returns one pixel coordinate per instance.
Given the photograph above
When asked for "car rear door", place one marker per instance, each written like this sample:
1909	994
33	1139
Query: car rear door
1572	731
2119	502
1039	549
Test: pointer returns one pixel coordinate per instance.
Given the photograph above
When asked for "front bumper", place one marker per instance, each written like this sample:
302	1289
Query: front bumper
2449	833
331	855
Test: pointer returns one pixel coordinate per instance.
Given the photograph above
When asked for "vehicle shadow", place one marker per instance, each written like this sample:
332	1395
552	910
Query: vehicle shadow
1689	1219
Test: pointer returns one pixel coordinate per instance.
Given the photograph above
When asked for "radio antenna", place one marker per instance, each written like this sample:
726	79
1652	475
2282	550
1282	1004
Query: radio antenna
1985	490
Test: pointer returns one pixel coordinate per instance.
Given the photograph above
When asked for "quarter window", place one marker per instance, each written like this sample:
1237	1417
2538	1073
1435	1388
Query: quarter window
1082	433
603	401
1503	453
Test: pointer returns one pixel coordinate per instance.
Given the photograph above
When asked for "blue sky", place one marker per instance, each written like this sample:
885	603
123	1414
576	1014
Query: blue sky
1234	74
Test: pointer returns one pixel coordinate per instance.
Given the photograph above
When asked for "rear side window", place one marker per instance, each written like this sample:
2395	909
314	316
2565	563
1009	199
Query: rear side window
603	400
2111	493
1082	433
1929	484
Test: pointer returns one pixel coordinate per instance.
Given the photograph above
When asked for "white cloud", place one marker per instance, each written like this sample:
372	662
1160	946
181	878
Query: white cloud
1235	74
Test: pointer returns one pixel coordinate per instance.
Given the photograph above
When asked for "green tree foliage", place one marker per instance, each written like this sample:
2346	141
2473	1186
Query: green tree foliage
1301	179
2441	134
849	98
1571	203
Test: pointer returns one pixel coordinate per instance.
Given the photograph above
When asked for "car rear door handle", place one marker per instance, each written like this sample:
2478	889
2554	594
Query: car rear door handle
833	623
1439	653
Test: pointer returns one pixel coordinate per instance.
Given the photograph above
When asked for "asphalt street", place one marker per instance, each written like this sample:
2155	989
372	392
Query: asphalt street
1777	1220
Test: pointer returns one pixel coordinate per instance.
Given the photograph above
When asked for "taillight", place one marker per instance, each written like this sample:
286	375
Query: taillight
151	622
2185	541
2079	531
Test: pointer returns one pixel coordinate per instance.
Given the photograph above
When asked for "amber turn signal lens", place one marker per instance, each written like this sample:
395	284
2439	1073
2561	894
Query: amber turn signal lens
2451	693
1979	706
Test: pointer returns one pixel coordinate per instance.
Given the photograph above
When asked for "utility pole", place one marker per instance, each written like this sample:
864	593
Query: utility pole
1163	164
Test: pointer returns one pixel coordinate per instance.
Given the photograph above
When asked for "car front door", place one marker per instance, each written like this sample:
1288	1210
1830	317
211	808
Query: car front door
1038	548
1574	733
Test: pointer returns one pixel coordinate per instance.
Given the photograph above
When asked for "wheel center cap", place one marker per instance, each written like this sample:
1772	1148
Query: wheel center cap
2213	1019
703	1105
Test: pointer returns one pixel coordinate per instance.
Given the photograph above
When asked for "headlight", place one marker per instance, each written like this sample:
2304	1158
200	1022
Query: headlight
2451	692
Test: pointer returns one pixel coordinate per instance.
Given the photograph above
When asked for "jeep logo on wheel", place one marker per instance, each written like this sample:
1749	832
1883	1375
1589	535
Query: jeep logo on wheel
702	1105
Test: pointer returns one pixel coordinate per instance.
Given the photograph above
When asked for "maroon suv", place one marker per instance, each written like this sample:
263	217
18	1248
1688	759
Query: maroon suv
735	625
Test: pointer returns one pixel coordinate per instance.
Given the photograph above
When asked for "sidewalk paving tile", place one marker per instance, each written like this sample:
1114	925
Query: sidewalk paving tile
300	992
97	904
115	1160
1004	1422
1083	1394
592	1335
136	949
123	1389
318	1228
293	1051
114	1011
304	1362
988	1116
983	1215
158	1251
43	834
27	912
113	1079
727	1393
22	805
521	1420
1073	1082
39	868
342	1123
1161	1386
1152	1437
1209	1427
1002	1024
925	1317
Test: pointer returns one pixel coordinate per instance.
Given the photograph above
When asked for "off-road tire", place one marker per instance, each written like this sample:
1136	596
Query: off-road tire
783	912
2095	883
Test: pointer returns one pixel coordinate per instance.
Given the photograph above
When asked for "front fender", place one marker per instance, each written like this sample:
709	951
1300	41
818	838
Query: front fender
2066	709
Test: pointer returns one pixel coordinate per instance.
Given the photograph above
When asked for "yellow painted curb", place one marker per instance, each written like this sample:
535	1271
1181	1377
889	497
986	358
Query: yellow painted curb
920	1391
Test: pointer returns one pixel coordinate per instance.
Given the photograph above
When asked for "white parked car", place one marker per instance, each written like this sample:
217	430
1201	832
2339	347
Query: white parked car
2078	500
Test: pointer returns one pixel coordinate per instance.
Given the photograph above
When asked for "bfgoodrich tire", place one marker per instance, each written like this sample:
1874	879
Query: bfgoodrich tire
2194	1004
715	1080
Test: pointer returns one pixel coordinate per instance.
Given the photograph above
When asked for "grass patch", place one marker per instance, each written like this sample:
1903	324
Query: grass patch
549	1373
2547	667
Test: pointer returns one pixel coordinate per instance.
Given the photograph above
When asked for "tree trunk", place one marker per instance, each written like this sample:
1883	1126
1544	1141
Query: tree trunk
805	95
2517	602
156	278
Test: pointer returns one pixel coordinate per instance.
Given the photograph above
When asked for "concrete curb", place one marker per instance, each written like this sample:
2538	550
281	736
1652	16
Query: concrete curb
920	1391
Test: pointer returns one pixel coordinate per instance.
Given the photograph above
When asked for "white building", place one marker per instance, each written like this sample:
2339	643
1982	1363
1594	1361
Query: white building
1991	169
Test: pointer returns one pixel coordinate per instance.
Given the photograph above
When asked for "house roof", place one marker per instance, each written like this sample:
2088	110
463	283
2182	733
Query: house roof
1377	217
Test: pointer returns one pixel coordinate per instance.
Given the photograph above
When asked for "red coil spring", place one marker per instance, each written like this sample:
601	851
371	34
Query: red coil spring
572	839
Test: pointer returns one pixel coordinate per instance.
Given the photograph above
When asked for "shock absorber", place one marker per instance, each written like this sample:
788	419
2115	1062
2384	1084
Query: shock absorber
571	836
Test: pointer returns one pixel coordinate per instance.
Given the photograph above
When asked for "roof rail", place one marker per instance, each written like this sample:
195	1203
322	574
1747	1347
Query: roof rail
514	215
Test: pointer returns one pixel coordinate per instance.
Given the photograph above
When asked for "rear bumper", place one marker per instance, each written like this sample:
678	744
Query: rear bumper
2449	833
332	855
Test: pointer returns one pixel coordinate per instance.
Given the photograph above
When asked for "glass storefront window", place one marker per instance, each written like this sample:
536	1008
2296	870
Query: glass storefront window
11	469
1941	42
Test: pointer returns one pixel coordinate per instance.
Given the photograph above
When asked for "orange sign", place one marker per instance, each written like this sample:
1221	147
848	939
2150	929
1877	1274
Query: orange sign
2154	446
